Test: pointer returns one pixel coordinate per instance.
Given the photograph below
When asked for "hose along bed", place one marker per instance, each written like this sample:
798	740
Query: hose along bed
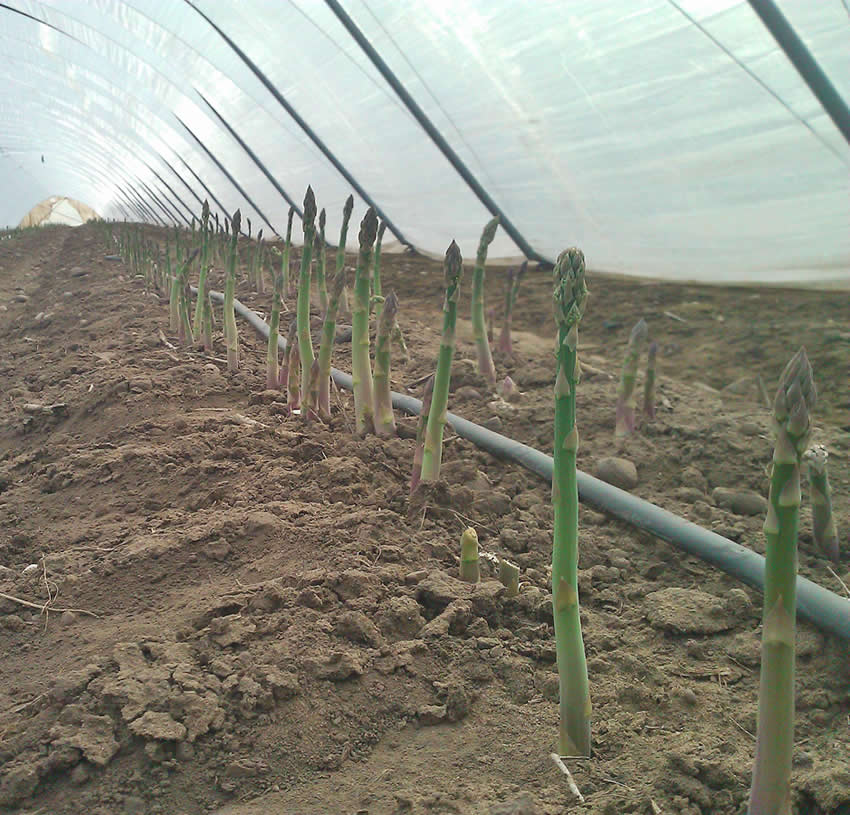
820	606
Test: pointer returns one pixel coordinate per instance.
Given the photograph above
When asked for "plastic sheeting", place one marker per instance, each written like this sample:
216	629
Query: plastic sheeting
667	139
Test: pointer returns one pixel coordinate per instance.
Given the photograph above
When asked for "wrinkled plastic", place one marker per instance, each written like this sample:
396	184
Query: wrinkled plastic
624	128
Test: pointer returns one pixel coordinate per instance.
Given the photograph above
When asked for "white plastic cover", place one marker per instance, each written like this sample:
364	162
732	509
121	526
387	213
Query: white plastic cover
666	139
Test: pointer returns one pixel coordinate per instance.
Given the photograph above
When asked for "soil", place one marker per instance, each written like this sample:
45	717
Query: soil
261	622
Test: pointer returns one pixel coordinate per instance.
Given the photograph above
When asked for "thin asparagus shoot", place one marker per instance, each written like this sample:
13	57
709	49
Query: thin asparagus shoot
327	344
272	367
361	366
575	709
343	232
469	570
432	451
625	423
305	342
287	248
792	406
514	278
649	382
384	418
479	328
509	577
197	322
376	273
231	335
319	248
824	530
293	368
416	474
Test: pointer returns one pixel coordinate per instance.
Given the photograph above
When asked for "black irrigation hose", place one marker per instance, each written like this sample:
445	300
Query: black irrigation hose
818	605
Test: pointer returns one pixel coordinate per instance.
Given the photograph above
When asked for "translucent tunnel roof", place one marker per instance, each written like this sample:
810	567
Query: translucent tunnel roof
666	138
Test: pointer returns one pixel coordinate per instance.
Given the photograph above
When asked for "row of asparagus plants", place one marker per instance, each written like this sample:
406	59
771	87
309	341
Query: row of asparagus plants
791	419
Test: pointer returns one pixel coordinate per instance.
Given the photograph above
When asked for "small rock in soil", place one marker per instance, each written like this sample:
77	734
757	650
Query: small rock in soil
688	611
68	618
217	549
431	715
153	725
400	616
80	774
522	805
493	423
356	626
340	666
467	393
620	472
741	502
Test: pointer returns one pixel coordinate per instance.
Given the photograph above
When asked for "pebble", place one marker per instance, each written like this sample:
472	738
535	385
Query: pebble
68	618
620	472
79	775
492	423
20	298
741	502
31	569
467	392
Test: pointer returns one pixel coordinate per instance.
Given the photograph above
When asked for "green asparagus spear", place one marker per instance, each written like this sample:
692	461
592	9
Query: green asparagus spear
319	248
479	327
795	399
384	418
469	570
432	452
361	366
823	522
575	709
231	336
305	342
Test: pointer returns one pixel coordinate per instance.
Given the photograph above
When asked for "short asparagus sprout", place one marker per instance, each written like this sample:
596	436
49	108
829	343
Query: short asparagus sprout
326	347
376	272
509	391
469	570
319	248
207	322
792	406
432	451
575	708
361	366
416	474
384	418
479	329
231	335
649	382
293	369
305	342
311	400
514	278
625	424
823	522
257	264
509	577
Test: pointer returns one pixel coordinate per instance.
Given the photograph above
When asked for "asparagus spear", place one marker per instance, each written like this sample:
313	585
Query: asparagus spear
231	336
376	272
384	418
293	381
514	278
361	367
575	709
257	264
625	423
320	263
823	522
197	322
272	369
479	328
469	570
795	399
649	382
287	247
305	343
326	347
416	474
509	577
432	450
343	232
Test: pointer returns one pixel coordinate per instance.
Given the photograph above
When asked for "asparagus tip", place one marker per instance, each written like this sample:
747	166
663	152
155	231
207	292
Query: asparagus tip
453	264
309	208
322	219
368	229
639	332
349	206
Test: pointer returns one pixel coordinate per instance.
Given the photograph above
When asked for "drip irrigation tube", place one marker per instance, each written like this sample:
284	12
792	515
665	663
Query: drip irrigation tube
818	605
